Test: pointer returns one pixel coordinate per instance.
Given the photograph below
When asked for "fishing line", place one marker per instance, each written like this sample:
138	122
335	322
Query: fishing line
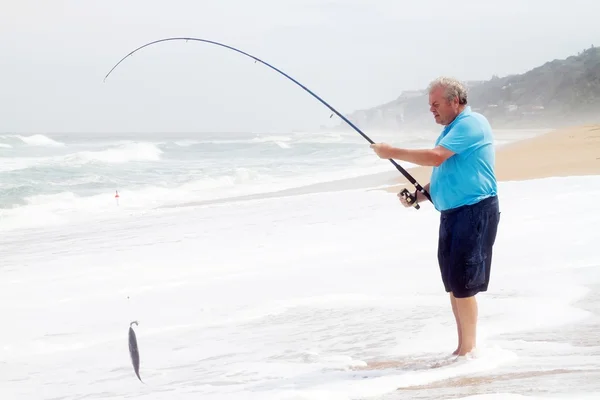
407	175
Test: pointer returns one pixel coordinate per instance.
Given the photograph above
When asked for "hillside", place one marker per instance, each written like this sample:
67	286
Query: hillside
558	93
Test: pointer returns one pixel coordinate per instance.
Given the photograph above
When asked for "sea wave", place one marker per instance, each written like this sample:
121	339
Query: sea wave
117	154
140	151
67	206
38	140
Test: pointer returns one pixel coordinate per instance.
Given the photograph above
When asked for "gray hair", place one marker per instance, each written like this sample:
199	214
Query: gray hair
454	88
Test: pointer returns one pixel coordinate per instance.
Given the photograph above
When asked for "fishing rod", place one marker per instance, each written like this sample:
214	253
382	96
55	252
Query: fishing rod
410	198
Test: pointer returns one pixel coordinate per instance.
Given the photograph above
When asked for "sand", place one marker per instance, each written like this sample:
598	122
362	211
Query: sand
571	151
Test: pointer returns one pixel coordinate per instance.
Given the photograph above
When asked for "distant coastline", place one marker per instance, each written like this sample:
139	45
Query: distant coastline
557	94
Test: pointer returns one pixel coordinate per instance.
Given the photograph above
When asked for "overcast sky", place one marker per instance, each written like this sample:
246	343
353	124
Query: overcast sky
355	54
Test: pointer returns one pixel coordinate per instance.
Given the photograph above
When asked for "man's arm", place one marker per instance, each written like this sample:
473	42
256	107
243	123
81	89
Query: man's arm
424	157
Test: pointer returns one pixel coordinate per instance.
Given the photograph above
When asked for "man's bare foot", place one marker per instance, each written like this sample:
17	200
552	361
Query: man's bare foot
463	351
455	352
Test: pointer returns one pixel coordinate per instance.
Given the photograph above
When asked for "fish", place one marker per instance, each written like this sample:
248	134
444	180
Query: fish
133	350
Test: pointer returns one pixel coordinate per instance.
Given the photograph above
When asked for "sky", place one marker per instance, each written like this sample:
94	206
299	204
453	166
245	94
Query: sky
354	54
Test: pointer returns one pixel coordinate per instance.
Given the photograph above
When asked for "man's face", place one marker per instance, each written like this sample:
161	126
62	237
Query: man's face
444	111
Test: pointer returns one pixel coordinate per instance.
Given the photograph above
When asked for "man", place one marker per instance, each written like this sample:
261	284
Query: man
463	188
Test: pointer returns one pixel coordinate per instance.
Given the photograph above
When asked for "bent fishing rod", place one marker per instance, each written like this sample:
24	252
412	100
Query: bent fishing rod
410	198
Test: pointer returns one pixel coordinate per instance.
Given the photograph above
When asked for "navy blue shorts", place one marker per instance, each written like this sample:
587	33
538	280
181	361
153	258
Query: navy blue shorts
467	236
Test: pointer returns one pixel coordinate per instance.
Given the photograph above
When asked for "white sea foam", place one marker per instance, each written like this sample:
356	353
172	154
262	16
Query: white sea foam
39	140
573	395
187	143
271	297
119	154
287	298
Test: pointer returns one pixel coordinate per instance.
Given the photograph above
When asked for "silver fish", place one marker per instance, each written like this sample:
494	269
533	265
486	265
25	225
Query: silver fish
133	350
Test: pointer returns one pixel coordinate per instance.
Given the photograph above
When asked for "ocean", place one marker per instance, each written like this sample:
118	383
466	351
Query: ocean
53	179
56	179
270	266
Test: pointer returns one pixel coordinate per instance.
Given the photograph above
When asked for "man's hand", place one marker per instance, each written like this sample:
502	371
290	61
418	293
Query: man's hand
404	200
383	150
419	196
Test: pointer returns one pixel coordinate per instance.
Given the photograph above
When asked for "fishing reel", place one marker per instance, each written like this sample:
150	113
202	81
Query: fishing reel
410	198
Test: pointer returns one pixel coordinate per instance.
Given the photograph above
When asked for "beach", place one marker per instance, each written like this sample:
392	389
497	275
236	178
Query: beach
573	151
570	152
284	267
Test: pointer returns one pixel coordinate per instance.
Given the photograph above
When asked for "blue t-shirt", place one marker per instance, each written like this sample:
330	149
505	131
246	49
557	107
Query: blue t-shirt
467	176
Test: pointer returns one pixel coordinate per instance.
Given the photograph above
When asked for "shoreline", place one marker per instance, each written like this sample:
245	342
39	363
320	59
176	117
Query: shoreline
573	151
554	153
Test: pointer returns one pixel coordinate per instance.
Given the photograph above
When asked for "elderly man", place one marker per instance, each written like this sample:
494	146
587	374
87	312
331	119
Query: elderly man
463	188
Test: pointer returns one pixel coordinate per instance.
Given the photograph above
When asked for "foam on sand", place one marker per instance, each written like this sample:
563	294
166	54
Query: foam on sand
292	297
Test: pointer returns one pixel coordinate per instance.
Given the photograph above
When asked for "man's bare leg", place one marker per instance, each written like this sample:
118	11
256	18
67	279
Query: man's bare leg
467	316
455	312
